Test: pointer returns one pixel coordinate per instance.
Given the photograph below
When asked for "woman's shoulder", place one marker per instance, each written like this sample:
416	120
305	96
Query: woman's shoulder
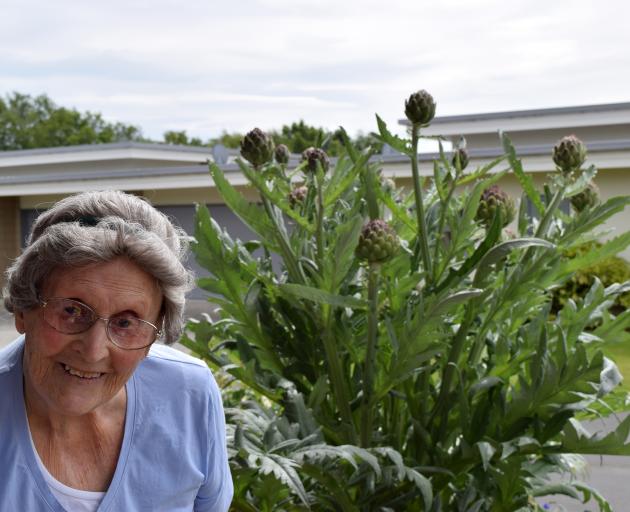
169	355
11	355
168	367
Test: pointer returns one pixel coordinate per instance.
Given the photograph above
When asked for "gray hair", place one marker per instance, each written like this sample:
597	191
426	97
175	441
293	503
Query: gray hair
96	227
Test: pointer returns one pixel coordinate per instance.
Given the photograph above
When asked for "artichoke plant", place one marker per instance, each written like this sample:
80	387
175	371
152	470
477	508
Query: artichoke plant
434	377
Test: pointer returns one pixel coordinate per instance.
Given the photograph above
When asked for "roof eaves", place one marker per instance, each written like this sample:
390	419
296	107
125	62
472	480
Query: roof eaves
520	114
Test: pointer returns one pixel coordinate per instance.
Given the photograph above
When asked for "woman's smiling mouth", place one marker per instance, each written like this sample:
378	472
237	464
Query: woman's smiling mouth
80	374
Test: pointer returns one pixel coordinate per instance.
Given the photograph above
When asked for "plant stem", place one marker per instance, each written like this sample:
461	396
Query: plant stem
319	229
438	270
337	381
450	369
295	272
417	188
545	222
370	356
543	227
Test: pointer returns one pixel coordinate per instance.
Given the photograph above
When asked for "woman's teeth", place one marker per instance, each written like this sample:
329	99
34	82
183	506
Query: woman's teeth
79	373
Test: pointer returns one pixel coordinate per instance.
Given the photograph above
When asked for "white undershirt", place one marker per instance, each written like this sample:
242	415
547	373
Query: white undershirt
73	500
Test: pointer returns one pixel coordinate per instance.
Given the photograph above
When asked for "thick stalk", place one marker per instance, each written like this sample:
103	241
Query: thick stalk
367	414
337	381
295	272
440	234
545	222
423	235
319	228
450	370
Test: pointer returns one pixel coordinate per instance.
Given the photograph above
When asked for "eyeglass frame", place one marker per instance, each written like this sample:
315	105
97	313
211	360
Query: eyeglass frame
44	302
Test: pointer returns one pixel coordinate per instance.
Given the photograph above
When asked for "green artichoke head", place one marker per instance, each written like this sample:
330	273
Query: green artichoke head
297	196
493	199
313	157
282	154
569	154
257	147
460	155
420	108
588	198
378	242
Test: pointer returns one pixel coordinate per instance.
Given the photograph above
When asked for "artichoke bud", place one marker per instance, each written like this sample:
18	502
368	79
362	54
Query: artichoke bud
257	147
314	155
420	108
297	196
282	154
378	242
462	155
569	154
493	199
588	198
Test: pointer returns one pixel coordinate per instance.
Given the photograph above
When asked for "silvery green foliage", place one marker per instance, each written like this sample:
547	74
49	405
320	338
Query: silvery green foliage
437	380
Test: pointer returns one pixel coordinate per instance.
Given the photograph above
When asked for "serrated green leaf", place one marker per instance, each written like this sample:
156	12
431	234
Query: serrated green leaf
251	214
591	218
576	439
274	196
401	145
595	255
320	296
454	300
581	182
500	251
348	145
524	179
487	451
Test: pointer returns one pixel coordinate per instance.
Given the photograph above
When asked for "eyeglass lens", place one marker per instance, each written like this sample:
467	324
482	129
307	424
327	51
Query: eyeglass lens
73	317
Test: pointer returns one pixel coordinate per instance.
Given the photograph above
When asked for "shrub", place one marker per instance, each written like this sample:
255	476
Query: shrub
609	271
426	374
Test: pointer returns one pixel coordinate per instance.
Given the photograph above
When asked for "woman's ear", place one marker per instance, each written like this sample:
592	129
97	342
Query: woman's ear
19	321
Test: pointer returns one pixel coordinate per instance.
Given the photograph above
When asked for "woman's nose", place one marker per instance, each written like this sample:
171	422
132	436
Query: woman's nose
95	342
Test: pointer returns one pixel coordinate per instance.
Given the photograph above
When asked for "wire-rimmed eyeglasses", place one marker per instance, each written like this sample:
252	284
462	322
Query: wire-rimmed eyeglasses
126	331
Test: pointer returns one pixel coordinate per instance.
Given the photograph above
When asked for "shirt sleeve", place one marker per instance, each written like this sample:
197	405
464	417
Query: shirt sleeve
216	493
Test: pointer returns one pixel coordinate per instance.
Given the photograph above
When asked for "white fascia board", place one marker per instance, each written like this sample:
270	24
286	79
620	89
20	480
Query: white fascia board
531	164
529	123
391	169
128	184
103	155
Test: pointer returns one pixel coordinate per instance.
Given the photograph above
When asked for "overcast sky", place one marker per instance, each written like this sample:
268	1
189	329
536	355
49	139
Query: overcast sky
208	66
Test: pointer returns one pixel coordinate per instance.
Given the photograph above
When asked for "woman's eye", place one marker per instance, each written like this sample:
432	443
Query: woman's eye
74	311
123	323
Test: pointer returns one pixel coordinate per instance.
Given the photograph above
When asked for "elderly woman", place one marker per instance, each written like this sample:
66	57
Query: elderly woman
93	414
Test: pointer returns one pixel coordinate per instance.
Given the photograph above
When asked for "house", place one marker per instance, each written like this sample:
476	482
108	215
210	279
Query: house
174	178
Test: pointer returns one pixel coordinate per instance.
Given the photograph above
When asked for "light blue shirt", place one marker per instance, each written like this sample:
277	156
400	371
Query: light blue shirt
173	456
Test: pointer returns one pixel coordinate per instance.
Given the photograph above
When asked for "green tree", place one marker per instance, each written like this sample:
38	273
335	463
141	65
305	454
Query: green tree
229	140
28	122
181	138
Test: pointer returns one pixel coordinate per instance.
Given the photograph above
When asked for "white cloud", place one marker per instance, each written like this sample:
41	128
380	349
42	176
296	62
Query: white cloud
207	66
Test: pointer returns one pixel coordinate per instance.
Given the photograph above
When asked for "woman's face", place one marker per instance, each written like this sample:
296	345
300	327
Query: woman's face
74	374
